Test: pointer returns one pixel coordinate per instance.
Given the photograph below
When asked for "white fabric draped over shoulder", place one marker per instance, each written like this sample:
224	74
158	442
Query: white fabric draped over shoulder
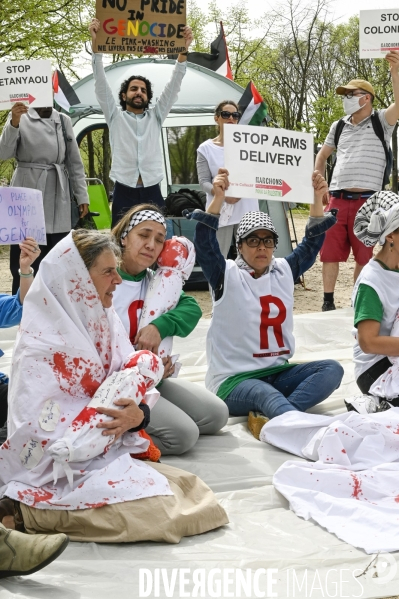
67	345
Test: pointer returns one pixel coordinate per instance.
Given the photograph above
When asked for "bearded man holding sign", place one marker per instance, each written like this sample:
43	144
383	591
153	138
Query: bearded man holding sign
135	129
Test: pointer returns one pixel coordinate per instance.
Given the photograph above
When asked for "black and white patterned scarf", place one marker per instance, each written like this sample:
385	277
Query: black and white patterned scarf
140	217
378	217
250	222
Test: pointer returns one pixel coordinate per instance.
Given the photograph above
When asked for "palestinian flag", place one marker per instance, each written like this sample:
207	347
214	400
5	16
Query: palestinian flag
64	94
217	60
252	106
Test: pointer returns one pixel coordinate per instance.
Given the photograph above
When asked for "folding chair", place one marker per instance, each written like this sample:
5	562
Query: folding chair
99	204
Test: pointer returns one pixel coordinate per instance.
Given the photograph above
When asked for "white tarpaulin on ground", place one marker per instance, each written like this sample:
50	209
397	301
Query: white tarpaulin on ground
263	532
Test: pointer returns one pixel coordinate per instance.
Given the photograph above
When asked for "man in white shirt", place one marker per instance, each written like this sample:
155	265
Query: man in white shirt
135	130
358	172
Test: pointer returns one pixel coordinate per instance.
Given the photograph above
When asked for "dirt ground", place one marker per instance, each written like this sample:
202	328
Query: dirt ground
307	299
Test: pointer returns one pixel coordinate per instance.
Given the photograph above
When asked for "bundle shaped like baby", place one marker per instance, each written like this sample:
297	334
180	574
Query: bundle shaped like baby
175	264
82	441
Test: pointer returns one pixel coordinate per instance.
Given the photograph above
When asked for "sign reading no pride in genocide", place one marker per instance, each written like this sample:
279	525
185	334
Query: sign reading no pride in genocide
378	32
27	81
21	215
269	164
141	26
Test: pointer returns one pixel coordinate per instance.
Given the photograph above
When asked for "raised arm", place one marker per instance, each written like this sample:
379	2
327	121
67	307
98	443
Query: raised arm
304	255
171	90
204	173
10	136
101	86
392	112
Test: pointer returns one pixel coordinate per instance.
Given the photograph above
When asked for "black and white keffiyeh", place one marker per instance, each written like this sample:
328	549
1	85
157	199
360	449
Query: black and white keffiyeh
253	221
250	222
140	217
378	217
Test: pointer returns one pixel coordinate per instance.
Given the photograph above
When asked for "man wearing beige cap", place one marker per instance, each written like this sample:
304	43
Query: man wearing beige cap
358	171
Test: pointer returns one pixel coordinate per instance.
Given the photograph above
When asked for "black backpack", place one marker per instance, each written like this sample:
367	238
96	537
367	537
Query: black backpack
184	199
378	130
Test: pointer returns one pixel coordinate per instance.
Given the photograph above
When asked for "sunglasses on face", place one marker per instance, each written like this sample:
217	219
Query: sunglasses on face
254	241
225	114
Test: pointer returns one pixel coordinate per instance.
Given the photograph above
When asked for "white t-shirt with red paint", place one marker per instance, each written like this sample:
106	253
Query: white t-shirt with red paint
252	324
128	302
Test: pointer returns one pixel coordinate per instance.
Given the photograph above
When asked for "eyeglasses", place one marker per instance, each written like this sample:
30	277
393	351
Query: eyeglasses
225	114
254	241
350	95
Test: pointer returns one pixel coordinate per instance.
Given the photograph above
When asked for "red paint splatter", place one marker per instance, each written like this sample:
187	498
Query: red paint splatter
37	495
44	443
343	450
173	253
85	416
66	251
6	444
152	312
67	370
357	486
336	430
95	505
111	482
80	486
45	301
63	419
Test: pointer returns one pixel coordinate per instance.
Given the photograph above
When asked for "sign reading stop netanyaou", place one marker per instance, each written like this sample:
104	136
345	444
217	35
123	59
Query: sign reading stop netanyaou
27	81
269	164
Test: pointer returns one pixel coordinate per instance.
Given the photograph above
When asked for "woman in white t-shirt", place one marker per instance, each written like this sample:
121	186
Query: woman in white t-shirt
210	158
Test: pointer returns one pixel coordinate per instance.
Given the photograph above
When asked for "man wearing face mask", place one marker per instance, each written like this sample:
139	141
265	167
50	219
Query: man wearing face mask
358	171
34	137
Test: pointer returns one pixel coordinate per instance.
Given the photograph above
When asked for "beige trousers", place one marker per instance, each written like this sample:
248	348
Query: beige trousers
192	510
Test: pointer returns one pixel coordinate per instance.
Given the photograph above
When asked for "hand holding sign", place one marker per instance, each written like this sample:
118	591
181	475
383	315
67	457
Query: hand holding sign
393	59
16	112
29	252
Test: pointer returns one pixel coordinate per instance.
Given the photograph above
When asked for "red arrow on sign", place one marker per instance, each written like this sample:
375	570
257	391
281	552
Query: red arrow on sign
284	188
29	98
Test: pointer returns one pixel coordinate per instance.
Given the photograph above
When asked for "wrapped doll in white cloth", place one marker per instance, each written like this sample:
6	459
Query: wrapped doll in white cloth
82	440
175	264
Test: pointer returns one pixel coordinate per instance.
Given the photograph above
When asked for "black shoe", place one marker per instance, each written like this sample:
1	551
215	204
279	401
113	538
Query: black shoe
327	306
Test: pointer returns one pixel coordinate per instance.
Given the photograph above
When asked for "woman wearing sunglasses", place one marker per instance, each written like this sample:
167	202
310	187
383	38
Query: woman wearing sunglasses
250	338
210	158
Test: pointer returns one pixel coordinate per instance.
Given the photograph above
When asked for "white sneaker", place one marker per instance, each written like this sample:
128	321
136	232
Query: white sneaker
363	404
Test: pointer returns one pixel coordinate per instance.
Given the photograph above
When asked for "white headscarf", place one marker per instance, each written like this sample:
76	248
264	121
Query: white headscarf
378	217
66	346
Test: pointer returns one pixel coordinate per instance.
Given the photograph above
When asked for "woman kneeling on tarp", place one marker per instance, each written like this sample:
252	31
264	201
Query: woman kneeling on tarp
71	344
376	298
250	338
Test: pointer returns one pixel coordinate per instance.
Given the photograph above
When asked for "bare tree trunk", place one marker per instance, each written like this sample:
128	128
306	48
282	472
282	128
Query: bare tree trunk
106	160
90	151
395	159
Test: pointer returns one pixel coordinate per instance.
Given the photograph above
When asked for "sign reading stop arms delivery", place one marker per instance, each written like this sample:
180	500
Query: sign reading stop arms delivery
141	26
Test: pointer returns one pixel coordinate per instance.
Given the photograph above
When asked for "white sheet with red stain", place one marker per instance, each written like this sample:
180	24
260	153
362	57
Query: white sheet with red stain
175	264
352	489
83	440
387	385
67	346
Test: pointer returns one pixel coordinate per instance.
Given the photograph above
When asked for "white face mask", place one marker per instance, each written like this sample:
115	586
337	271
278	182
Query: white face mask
352	105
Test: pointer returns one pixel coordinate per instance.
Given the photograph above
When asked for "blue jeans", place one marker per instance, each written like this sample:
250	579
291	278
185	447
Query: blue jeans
297	388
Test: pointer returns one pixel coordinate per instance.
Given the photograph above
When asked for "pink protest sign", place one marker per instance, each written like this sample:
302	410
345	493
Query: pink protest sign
21	215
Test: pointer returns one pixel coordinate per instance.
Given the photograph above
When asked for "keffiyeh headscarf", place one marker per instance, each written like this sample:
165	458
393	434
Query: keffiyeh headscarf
251	222
378	217
140	217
